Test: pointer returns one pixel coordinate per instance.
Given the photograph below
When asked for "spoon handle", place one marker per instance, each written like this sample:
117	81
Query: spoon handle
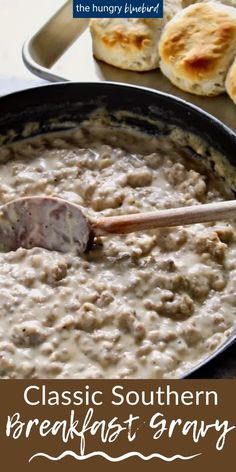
165	218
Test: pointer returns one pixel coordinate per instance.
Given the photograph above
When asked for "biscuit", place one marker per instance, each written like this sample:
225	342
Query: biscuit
130	43
197	47
230	83
231	3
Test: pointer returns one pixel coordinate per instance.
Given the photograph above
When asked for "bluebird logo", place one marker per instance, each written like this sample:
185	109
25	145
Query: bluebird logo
117	9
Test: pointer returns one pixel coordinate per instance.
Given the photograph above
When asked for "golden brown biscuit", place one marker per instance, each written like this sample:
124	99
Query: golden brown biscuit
230	83
197	47
186	3
130	43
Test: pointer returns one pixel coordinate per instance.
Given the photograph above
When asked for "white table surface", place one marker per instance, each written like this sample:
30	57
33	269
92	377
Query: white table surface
18	20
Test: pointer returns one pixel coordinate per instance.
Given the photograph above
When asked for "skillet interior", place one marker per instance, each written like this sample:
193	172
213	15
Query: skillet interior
64	106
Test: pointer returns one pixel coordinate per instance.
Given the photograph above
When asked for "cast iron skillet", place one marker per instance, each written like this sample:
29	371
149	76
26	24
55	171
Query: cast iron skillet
63	106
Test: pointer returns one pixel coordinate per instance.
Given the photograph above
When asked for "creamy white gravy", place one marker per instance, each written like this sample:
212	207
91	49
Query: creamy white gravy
144	305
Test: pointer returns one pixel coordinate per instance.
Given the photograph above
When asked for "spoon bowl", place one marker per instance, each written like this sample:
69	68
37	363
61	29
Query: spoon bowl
47	222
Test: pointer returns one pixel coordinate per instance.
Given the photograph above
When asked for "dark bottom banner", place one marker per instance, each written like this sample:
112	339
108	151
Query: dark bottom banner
79	425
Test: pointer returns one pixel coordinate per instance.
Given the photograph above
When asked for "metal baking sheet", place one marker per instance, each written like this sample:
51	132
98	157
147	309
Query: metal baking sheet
62	50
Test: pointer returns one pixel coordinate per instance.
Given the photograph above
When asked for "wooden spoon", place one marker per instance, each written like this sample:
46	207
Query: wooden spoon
56	224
